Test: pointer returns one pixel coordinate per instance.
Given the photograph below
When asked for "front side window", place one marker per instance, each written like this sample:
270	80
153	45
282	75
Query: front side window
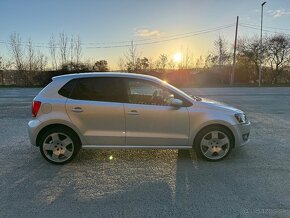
108	89
145	92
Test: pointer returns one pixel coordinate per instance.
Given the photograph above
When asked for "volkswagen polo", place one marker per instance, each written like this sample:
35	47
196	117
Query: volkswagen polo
122	110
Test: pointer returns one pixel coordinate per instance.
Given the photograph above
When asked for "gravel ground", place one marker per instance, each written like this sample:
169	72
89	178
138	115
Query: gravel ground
252	182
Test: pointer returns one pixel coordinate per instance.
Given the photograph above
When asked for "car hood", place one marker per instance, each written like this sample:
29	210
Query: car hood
216	105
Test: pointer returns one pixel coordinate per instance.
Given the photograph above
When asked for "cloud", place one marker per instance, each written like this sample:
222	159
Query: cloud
278	13
144	32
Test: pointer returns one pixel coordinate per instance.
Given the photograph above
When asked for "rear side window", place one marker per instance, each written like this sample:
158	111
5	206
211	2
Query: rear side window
108	89
67	89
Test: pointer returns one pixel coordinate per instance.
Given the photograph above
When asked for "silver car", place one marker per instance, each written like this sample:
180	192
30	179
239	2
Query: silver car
121	110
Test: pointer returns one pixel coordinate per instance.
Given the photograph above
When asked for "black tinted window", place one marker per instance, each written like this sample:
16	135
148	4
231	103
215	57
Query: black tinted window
99	89
66	90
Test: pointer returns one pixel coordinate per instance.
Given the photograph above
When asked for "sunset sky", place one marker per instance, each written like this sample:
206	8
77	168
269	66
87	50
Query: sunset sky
159	26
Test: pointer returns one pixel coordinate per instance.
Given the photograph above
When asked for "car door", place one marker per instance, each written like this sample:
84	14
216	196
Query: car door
150	120
96	108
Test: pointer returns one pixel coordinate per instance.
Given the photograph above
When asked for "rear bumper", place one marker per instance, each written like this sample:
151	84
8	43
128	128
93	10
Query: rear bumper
33	129
242	134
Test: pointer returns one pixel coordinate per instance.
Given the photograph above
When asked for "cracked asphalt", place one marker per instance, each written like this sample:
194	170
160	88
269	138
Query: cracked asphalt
254	181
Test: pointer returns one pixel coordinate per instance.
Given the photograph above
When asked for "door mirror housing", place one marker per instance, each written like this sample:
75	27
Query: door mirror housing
176	102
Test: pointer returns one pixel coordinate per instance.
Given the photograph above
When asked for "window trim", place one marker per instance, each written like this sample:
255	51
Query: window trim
123	96
186	103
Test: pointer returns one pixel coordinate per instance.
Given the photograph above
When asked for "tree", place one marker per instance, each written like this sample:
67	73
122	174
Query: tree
1	71
162	62
121	64
220	54
63	47
52	49
78	49
101	66
278	53
144	62
248	58
17	51
199	62
131	58
186	62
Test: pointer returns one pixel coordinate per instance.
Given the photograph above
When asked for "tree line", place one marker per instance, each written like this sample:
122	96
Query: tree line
66	55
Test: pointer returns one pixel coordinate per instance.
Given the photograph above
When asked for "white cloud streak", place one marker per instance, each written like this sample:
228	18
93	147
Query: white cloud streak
278	13
144	32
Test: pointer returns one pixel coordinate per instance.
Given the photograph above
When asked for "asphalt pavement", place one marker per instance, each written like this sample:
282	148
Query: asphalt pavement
254	181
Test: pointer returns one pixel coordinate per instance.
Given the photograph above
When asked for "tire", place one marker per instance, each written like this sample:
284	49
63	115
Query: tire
214	143
59	145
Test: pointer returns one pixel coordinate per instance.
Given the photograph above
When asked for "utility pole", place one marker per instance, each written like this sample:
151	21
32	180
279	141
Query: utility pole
235	49
261	44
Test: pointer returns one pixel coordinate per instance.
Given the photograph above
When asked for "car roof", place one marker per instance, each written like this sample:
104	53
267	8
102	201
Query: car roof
104	74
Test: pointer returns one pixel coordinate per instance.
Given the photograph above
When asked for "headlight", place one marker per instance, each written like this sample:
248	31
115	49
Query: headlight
241	118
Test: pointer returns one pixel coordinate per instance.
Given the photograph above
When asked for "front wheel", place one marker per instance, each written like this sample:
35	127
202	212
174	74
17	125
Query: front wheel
214	143
59	145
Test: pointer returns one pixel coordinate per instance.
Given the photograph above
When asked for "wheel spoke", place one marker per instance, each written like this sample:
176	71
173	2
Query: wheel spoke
208	153
48	147
214	135
221	153
223	141
54	157
205	142
67	153
66	142
55	137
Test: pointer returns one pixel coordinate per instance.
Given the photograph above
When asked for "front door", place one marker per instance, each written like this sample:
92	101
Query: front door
150	120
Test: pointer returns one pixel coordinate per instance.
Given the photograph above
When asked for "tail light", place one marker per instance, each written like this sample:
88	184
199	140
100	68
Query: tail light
35	107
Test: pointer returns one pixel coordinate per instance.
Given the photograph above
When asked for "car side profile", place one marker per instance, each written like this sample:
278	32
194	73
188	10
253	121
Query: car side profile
122	110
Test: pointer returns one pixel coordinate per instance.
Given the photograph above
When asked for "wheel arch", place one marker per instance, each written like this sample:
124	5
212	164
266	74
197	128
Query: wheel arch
55	125
213	125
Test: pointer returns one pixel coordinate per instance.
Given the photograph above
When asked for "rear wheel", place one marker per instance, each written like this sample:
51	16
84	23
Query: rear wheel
59	145
214	143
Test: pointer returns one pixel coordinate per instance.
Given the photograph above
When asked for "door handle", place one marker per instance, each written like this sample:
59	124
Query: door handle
133	112
77	109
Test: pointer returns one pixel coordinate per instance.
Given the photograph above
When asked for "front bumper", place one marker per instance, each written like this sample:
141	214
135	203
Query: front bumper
242	133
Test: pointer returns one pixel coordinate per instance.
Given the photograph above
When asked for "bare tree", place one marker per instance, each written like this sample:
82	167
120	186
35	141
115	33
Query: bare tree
71	49
186	62
52	49
121	64
249	56
278	54
40	61
171	64
63	47
131	57
17	51
162	62
199	62
1	71
220	55
78	49
31	60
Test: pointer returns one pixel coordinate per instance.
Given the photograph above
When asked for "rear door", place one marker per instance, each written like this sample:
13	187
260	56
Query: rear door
96	108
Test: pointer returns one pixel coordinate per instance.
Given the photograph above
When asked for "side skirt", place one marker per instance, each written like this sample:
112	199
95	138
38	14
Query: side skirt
134	146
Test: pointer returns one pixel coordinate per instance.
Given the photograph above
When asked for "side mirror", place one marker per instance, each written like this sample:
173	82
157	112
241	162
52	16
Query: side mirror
176	102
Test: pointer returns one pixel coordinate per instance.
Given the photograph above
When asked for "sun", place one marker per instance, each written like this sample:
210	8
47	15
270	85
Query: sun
177	57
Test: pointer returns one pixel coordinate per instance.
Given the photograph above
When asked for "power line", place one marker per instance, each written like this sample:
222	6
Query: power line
142	41
264	30
168	39
267	27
